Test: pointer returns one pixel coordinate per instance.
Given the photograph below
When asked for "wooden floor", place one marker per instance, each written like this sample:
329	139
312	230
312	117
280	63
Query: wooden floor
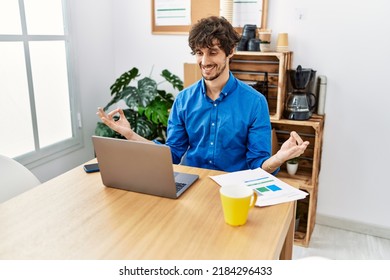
337	244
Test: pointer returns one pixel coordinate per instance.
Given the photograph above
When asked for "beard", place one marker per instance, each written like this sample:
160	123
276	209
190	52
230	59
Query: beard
219	70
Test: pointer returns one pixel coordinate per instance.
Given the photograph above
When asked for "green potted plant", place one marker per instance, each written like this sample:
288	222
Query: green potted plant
147	106
265	40
265	46
292	165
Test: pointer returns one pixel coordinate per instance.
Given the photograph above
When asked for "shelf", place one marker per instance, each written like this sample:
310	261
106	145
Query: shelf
310	130
251	67
299	181
315	121
299	238
309	166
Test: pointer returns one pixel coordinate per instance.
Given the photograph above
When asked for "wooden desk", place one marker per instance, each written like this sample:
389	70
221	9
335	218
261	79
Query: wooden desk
73	216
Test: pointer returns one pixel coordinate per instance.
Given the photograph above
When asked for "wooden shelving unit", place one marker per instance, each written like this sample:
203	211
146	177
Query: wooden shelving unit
252	66
306	178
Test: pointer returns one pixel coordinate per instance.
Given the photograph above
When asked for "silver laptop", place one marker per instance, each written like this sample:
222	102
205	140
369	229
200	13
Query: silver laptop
139	167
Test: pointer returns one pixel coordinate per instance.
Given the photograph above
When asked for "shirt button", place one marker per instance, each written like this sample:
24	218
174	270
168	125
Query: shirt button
210	161
212	124
212	143
215	104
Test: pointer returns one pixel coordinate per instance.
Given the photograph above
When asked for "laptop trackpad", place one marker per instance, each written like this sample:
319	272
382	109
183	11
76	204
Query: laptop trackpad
185	177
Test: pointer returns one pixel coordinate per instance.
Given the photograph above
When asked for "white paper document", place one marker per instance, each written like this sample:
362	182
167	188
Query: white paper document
172	12
247	12
270	190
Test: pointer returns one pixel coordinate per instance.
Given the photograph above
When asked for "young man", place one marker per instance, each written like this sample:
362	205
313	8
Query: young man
219	122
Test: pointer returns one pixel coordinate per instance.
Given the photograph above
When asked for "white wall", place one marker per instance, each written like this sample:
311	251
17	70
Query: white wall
136	46
345	40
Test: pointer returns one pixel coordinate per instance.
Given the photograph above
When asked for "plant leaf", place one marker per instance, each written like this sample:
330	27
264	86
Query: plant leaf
147	91
157	112
131	97
124	80
174	80
145	128
148	107
167	97
117	97
140	124
103	130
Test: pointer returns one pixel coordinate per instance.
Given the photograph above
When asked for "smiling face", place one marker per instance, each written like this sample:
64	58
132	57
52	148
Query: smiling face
212	40
212	61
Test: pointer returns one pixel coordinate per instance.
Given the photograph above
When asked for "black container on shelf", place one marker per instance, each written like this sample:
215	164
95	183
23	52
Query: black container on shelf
248	33
254	45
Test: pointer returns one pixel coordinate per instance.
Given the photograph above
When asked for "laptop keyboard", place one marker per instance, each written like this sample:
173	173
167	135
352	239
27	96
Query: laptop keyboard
179	186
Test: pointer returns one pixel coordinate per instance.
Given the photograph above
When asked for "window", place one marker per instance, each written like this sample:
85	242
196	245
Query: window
38	116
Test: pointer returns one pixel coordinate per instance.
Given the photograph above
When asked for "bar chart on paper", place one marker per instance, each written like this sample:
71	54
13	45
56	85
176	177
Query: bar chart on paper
265	186
270	189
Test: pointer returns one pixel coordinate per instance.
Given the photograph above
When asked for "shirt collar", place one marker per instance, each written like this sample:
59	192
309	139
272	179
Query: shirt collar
230	85
227	89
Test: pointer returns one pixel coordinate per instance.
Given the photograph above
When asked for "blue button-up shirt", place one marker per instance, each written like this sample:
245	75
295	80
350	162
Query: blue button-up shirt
231	133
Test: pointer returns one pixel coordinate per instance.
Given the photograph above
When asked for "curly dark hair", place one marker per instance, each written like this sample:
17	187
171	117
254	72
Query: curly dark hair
206	30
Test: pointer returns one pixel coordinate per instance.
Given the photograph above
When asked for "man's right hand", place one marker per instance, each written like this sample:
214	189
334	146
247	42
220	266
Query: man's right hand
121	126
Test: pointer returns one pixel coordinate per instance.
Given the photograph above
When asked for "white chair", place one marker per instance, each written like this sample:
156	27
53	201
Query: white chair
14	178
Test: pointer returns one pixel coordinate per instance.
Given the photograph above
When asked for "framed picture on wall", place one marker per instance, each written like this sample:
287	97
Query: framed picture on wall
177	16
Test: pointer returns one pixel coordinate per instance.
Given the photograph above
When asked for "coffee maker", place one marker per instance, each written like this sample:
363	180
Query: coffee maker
300	101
